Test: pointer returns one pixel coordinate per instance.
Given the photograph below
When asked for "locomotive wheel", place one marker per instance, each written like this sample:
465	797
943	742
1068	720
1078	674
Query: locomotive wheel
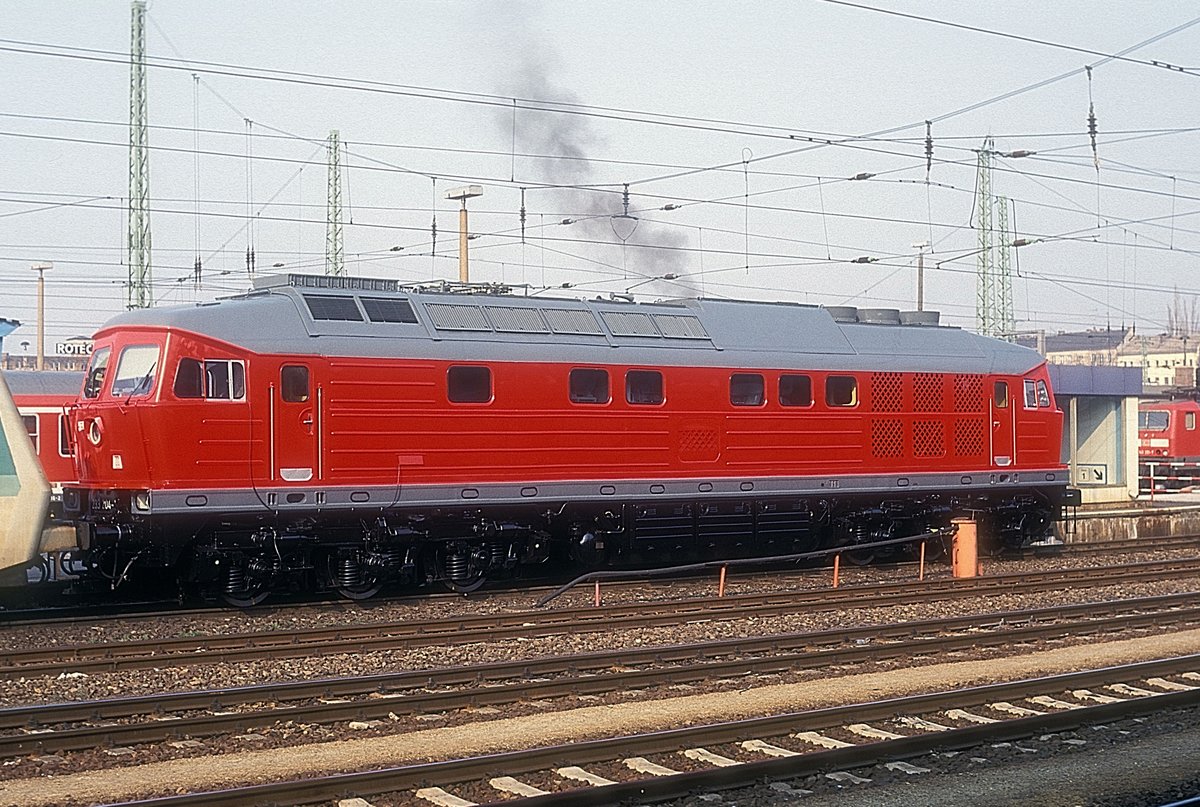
363	591
247	599
860	557
472	572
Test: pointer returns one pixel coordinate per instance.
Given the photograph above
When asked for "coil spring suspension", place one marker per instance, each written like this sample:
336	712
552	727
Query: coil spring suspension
235	579
347	573
497	553
858	533
457	566
390	558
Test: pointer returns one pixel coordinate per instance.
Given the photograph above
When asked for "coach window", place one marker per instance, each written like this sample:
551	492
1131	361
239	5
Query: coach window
644	387
747	389
1031	400
1043	395
795	390
293	383
135	371
31	426
469	385
65	449
841	390
589	386
95	373
1189	421
1000	395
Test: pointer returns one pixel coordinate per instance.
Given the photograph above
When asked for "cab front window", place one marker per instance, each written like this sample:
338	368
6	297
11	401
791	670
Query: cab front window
135	371
95	373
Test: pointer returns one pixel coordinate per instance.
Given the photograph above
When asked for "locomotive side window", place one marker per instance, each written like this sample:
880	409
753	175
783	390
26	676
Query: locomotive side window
225	380
1031	400
589	386
795	390
1000	394
95	373
469	385
1189	421
189	379
747	389
218	380
841	390
135	371
293	383
1043	394
644	387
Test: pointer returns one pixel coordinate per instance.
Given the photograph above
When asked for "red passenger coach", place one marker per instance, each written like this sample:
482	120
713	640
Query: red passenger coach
347	432
42	398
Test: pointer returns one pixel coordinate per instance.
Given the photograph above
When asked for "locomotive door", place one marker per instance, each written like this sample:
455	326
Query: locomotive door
1003	431
294	426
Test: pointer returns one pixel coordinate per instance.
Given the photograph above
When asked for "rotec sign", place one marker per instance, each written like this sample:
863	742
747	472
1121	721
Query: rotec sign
82	347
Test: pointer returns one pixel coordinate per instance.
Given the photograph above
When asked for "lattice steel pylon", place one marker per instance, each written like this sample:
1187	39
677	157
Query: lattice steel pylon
993	286
334	263
138	291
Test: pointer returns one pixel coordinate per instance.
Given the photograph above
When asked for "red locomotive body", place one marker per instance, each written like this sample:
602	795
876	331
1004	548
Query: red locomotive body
354	433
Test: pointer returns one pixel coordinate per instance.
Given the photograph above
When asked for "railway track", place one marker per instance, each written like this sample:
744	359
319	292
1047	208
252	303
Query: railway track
833	741
146	610
66	727
459	630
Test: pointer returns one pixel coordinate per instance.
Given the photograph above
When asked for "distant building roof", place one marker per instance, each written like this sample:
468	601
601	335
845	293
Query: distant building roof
1078	379
45	382
1078	341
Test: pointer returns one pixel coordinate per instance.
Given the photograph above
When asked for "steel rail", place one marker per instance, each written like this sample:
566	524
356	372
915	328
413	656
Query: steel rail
146	610
407	693
408	777
461	630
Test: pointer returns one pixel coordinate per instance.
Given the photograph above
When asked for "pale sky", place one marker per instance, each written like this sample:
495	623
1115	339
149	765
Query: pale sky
709	106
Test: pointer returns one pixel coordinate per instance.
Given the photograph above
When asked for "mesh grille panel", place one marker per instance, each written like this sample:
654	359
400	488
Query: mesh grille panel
451	317
928	438
572	320
927	392
968	393
382	309
887	437
887	392
968	437
628	324
677	326
342	309
511	319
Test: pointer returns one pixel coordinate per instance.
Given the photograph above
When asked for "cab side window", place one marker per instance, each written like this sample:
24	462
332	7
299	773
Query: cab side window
214	379
1031	400
841	390
1000	395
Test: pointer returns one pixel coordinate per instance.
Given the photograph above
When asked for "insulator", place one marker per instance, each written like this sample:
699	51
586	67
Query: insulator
235	579
928	148
456	566
347	573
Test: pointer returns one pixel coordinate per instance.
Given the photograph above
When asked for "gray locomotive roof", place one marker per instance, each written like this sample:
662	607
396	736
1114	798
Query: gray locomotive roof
277	317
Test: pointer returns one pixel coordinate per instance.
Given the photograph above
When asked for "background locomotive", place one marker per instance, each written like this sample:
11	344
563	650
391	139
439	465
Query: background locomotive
1169	445
347	432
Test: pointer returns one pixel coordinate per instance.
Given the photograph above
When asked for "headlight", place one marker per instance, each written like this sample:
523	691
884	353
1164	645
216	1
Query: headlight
94	432
141	501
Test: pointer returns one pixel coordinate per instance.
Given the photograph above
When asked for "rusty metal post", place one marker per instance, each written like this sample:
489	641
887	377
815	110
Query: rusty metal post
721	585
921	572
596	603
836	562
965	552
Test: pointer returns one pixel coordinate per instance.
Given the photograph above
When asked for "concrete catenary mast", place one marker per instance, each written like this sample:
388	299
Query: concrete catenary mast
138	289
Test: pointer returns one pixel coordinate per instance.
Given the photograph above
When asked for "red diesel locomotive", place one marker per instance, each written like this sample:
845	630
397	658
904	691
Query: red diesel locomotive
349	432
1169	444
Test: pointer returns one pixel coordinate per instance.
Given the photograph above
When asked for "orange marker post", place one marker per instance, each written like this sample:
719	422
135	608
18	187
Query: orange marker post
921	568
836	559
721	585
597	601
965	548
